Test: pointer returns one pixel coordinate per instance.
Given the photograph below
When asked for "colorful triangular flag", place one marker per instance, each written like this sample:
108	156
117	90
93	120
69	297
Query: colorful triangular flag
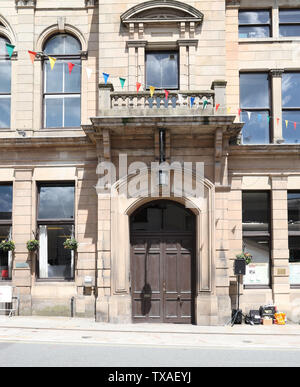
228	110
295	125
152	88
217	107
10	49
286	123
239	112
180	98
138	85
88	72
105	75
166	94
122	80
249	115
277	119
205	103
70	65
32	55
52	62
192	101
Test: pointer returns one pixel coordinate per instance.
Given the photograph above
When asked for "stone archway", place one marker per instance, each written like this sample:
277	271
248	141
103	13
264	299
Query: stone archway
163	265
117	307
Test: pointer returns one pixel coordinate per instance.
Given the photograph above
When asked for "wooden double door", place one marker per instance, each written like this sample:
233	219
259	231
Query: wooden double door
163	279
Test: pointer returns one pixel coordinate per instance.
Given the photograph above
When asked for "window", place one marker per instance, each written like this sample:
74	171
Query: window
289	22
62	90
294	236
255	107
56	224
162	70
5	84
291	107
5	230
254	24
256	236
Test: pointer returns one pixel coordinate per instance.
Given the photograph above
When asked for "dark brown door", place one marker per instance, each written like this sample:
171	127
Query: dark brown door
163	277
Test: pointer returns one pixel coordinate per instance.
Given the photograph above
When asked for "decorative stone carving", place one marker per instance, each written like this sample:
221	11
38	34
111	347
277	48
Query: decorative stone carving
90	3
162	12
25	3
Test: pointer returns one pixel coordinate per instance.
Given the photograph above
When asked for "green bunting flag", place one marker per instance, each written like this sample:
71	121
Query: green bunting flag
10	49
122	80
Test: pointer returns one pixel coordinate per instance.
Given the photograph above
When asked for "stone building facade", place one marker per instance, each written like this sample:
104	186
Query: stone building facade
164	258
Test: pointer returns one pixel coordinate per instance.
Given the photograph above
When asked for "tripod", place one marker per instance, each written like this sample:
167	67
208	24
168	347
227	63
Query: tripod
234	317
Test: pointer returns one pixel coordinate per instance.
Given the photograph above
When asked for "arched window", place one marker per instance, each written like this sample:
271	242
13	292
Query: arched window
5	84
62	90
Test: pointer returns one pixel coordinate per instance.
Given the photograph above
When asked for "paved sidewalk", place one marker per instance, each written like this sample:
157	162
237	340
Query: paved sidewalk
87	331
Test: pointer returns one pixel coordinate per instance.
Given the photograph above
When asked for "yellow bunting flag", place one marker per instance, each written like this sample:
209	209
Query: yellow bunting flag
52	62
152	88
286	123
228	110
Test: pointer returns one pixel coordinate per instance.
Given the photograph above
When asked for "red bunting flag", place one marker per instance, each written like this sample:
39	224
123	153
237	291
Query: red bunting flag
217	107
295	125
278	119
71	65
166	94
138	85
32	55
239	112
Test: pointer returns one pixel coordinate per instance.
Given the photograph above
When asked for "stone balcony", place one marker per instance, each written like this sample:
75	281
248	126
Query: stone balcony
179	102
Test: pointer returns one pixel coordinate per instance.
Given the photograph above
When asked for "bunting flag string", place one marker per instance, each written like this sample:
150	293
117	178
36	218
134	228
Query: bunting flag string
32	54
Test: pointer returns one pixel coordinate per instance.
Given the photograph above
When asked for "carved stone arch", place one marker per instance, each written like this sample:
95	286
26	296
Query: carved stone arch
7	31
55	30
162	11
121	209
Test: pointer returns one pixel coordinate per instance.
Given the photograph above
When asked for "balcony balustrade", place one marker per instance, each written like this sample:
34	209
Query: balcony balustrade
181	102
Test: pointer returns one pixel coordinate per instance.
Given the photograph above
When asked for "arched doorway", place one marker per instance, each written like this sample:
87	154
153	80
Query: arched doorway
163	264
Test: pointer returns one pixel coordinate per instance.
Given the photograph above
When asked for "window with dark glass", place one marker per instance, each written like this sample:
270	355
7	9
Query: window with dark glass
62	90
55	224
289	22
5	84
5	230
162	70
291	107
162	216
255	107
255	24
294	236
256	236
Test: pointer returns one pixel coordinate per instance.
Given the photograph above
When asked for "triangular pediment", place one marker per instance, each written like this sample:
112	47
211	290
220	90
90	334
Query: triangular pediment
162	11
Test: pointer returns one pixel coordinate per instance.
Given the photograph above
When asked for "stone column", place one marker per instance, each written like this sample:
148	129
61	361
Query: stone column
276	80
183	82
280	247
104	96
222	256
22	232
25	84
219	86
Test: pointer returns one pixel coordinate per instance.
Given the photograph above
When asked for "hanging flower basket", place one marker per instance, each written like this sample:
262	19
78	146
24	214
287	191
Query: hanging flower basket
71	244
33	245
7	245
246	256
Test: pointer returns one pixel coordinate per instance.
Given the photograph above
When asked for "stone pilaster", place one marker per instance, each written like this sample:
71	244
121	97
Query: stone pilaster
22	232
280	247
25	83
276	78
